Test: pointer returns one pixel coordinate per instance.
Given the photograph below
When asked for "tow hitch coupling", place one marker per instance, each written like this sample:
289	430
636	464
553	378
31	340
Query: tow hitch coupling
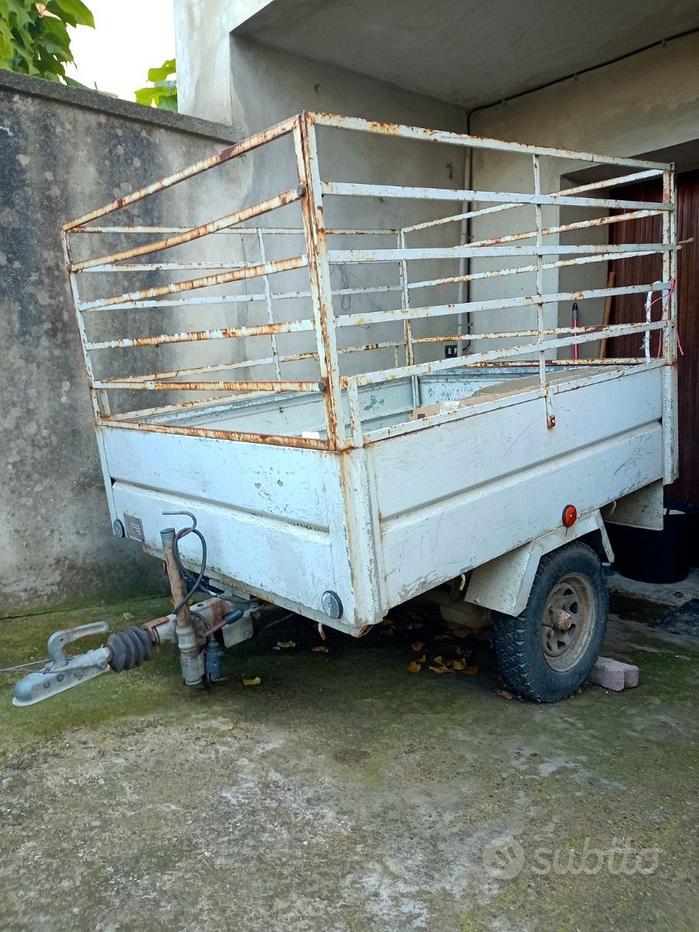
63	670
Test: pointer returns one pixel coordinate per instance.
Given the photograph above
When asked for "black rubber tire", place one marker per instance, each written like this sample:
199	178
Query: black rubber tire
520	655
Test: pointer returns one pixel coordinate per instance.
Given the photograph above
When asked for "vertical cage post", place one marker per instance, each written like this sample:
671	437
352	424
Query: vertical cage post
98	398
540	324
669	332
408	324
355	412
268	302
319	275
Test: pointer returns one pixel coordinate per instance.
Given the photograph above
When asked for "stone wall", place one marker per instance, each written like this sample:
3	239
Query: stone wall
62	152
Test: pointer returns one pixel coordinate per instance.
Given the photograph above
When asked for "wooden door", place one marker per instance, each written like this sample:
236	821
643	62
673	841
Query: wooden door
630	308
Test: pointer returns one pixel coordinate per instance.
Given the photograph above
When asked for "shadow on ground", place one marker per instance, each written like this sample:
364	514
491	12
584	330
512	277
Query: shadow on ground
345	793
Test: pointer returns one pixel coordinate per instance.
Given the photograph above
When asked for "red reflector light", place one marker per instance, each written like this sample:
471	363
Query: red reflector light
570	515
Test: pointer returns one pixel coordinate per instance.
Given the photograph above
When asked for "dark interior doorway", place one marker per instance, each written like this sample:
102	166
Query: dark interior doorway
628	308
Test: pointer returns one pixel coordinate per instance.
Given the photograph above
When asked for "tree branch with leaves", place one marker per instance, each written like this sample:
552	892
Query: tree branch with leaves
34	37
163	92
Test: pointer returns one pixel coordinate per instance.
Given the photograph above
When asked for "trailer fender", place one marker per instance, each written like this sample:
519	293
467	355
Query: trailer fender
504	584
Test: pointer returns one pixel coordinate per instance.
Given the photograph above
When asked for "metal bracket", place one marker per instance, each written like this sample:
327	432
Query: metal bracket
64	671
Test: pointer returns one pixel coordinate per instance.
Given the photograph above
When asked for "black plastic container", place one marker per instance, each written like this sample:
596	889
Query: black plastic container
653	556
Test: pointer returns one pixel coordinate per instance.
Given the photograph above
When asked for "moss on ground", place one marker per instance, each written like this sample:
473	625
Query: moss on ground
343	792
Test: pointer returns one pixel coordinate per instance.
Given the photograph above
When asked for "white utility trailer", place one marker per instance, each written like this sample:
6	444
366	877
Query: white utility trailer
352	435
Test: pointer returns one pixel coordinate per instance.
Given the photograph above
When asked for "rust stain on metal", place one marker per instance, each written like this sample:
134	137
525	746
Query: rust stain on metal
237	275
325	376
280	440
225	155
194	233
314	227
218	386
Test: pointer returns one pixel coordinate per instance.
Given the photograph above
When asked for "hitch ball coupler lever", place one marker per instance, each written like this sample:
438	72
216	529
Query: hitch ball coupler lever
123	651
64	671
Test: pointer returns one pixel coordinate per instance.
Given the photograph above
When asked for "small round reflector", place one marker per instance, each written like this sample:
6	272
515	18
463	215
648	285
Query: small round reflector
570	515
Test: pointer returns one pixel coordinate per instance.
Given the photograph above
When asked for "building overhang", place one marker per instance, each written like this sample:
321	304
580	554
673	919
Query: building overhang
466	53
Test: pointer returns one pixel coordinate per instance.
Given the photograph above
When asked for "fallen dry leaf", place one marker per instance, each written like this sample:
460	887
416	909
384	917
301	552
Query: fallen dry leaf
458	665
417	646
250	680
438	660
320	649
440	668
421	659
472	671
285	645
506	694
414	667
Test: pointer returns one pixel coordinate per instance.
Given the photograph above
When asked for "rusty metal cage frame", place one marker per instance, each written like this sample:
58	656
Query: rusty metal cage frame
310	192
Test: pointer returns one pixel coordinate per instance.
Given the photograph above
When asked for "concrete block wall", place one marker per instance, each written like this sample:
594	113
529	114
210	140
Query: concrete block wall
62	152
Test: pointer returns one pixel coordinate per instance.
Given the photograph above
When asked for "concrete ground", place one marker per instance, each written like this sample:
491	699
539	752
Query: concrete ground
345	793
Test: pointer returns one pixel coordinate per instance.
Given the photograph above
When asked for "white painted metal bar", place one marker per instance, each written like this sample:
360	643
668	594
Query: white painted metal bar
475	142
471	408
237	275
243	364
519	269
268	302
306	151
250	231
428	368
164	266
407	324
467	215
270	385
197	336
564	228
413	253
491	304
204	370
98	400
280	440
550	419
231	152
578	189
511	334
198	300
195	233
669	338
407	192
355	413
568	227
531	345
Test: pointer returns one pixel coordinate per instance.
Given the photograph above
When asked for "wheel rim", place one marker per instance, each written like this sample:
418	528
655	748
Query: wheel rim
570	615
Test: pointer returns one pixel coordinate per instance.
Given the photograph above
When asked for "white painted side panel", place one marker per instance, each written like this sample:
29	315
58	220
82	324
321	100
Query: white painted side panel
290	560
273	517
434	464
455	496
383	523
288	484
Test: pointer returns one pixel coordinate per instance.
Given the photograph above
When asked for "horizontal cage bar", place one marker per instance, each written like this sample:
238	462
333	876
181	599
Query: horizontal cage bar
356	189
473	142
194	233
208	281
